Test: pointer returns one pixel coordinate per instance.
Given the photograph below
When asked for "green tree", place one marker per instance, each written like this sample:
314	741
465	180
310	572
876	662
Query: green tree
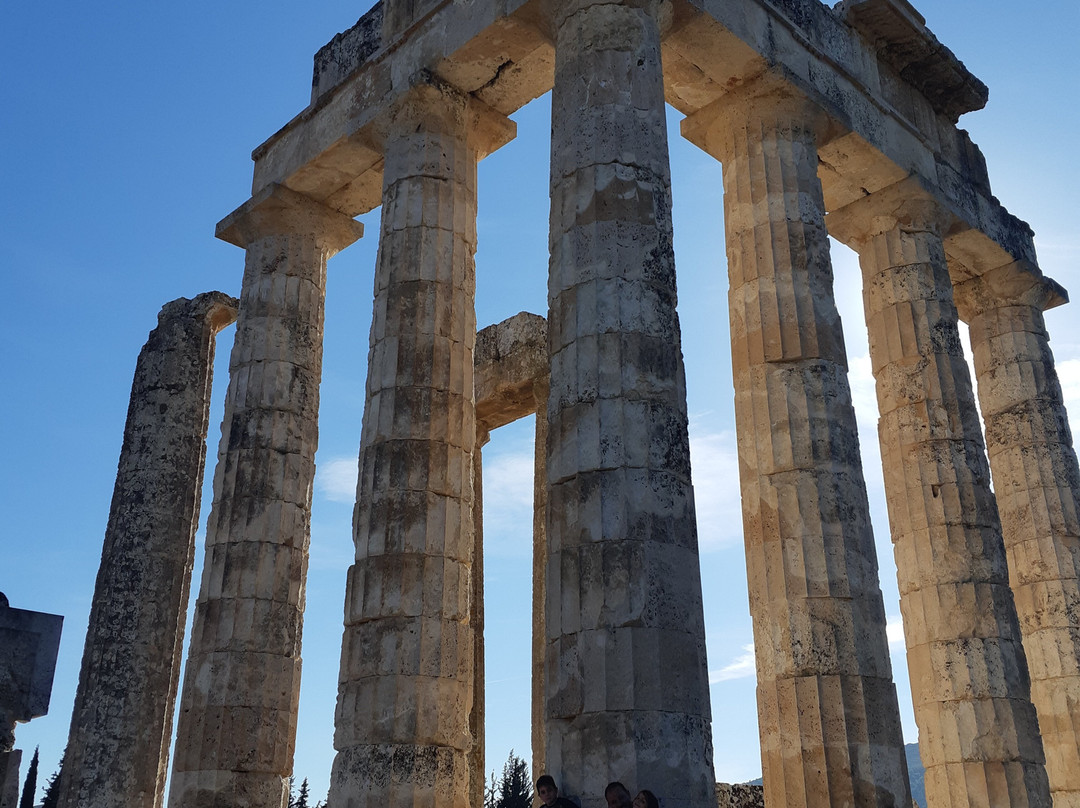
515	786
52	789
29	790
302	797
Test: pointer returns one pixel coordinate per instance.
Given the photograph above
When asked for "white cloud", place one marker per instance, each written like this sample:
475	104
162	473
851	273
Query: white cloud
894	630
741	667
508	500
335	479
715	467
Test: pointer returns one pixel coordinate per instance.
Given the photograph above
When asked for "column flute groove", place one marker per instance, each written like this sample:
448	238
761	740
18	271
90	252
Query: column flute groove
406	687
827	709
237	726
978	735
626	682
1036	480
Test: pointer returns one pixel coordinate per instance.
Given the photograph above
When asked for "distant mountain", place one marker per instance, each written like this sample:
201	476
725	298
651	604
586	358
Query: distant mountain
915	774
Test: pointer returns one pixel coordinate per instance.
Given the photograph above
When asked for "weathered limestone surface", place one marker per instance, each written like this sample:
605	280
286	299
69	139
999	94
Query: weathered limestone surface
9	778
739	795
626	680
827	709
1036	481
978	735
407	664
121	728
237	727
29	642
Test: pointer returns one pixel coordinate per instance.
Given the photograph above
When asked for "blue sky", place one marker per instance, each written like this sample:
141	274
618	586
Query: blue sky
126	133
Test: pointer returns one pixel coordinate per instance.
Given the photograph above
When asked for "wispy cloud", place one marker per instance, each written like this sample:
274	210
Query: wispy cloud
894	630
715	466
741	667
335	478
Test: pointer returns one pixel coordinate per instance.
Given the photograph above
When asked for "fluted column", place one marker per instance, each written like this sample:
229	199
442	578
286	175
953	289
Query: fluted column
539	579
626	682
407	679
477	715
978	736
237	725
121	727
827	708
1036	480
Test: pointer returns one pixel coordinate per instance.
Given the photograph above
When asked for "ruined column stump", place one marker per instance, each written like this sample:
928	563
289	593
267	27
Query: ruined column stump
978	735
237	726
406	685
626	684
121	728
1036	482
827	710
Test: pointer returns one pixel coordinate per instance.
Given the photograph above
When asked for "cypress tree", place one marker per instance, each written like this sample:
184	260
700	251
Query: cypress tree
30	784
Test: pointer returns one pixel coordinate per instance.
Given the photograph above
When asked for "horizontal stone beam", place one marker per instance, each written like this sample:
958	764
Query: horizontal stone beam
499	52
511	359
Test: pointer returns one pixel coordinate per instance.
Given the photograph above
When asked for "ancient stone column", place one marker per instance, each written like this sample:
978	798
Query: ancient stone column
237	726
978	735
626	682
1036	481
539	576
827	709
406	683
121	728
477	774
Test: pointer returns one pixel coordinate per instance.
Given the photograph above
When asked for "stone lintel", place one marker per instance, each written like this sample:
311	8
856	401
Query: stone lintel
767	97
346	52
277	210
899	35
511	363
909	204
1016	283
487	130
971	254
29	642
502	55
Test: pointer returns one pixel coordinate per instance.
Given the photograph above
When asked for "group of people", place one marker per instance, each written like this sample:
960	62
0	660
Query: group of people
616	794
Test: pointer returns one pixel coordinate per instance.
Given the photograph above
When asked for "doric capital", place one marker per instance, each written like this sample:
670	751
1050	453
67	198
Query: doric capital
434	106
906	205
277	210
1019	283
766	104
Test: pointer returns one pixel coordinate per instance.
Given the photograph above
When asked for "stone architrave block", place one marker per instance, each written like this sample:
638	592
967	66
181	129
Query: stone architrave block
29	642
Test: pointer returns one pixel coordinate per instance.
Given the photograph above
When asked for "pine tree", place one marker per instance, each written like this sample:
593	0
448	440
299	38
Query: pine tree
292	791
30	784
515	787
302	798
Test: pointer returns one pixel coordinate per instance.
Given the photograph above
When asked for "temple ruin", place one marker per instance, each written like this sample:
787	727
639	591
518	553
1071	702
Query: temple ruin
827	121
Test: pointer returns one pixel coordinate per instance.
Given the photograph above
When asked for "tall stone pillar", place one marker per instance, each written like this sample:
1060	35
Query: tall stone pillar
237	727
121	728
477	775
539	578
978	735
627	681
1036	480
406	683
827	708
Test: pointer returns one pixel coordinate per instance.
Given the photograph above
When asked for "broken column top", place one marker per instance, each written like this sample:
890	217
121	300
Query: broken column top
29	642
